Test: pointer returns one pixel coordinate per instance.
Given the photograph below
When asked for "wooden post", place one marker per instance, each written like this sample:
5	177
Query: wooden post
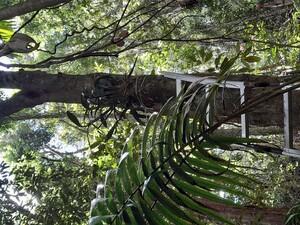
244	117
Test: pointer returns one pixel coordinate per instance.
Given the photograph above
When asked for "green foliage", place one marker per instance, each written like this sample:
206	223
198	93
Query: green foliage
180	163
60	187
178	159
109	101
105	153
53	187
175	169
6	207
27	137
293	216
279	182
6	30
165	35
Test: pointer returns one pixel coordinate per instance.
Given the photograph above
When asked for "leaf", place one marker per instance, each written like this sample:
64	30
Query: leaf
146	182
226	65
5	30
138	216
112	205
181	173
195	206
126	217
144	168
84	102
244	70
152	72
97	220
247	51
218	184
119	191
137	116
107	176
111	131
211	70
148	213
73	118
123	157
146	135
49	171
208	57
252	59
175	209
224	142
198	191
245	63
202	53
95	144
225	60
215	143
291	218
158	120
123	173
171	216
132	171
213	168
175	170
96	204
218	60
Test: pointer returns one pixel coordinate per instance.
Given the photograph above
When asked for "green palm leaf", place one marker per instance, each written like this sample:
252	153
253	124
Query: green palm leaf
6	30
176	168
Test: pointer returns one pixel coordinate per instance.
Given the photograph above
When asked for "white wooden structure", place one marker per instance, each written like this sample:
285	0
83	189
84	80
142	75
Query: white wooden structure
287	103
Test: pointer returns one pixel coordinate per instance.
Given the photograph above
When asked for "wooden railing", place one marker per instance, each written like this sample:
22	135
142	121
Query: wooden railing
287	106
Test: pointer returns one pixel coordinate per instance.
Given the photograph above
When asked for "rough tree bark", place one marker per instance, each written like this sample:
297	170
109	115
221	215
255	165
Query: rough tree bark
26	7
39	87
249	215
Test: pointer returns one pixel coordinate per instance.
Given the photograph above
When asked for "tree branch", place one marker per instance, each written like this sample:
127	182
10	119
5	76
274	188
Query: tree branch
18	102
27	7
16	207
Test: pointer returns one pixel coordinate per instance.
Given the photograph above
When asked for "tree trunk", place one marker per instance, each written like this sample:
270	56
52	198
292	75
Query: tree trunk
26	7
149	92
37	87
249	214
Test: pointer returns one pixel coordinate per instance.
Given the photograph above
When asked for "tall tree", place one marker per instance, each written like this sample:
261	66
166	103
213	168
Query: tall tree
150	91
41	87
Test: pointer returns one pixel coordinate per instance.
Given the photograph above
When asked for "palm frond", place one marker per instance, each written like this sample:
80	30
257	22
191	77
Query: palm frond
174	172
293	216
177	167
6	30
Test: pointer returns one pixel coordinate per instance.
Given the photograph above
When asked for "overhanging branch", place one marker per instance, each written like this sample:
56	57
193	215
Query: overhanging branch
18	102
